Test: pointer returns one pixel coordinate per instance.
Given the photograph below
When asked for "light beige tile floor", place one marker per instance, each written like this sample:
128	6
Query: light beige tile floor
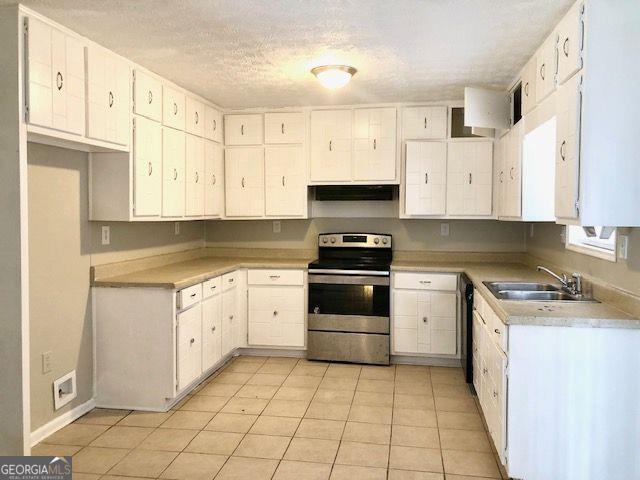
285	418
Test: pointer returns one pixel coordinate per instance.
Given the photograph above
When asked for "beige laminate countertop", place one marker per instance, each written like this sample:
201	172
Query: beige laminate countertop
575	314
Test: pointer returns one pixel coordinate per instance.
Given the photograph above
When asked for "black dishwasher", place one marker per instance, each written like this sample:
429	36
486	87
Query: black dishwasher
466	354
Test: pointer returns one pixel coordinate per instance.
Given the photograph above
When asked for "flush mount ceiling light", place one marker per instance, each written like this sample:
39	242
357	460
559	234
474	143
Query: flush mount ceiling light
334	76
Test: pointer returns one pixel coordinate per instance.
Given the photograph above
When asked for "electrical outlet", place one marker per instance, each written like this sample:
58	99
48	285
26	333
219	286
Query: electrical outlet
277	226
176	228
444	229
106	235
47	361
623	247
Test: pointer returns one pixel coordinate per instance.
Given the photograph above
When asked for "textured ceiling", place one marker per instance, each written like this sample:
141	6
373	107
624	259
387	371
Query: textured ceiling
249	53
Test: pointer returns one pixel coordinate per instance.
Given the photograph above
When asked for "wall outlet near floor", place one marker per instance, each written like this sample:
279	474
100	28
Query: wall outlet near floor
444	229
64	390
176	228
106	235
277	226
623	247
47	359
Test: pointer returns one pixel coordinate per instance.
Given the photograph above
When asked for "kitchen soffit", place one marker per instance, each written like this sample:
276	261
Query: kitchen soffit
256	53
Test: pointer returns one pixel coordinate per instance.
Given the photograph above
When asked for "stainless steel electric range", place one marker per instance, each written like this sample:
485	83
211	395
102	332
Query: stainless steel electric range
349	299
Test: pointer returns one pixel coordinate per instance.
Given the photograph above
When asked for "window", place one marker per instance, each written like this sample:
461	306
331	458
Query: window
595	241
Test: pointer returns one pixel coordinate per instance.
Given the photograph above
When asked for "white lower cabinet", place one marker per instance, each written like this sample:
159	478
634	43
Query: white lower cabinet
424	318
211	331
189	345
276	308
229	320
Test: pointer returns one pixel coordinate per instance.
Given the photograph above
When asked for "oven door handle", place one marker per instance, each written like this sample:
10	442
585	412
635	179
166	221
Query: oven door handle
334	271
347	280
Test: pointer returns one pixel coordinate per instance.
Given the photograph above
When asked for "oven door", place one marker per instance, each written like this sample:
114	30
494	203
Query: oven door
359	295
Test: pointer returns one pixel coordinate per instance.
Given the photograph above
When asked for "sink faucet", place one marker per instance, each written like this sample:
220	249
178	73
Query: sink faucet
573	285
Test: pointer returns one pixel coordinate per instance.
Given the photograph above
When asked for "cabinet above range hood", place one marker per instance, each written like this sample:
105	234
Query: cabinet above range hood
352	193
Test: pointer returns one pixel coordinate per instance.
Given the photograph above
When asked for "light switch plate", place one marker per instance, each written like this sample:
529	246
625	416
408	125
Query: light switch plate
46	361
444	229
277	226
106	235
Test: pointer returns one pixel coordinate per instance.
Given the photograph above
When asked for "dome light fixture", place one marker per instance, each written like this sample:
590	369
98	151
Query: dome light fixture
334	76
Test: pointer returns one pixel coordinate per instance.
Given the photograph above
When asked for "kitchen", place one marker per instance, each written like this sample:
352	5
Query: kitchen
360	257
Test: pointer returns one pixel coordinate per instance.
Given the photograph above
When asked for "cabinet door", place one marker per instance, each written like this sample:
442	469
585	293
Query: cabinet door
374	144
442	323
546	61
285	186
484	108
212	124
229	319
173	108
194	117
147	159
405	321
194	176
284	127
426	178
243	129
501	147
570	43
276	316
214	179
477	336
173	172
424	123
40	80
497	388
244	181
529	86
211	331
512	172
68	76
331	145
147	96
568	107
189	346
469	178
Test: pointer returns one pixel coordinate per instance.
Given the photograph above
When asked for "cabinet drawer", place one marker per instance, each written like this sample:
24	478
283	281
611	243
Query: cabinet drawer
189	296
479	303
284	127
172	108
276	277
425	281
211	287
229	280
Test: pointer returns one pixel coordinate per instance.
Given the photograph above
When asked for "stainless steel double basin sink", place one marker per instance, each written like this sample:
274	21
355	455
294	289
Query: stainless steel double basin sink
541	292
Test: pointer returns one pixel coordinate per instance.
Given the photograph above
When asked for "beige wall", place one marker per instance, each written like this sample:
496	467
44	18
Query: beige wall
465	235
623	274
63	244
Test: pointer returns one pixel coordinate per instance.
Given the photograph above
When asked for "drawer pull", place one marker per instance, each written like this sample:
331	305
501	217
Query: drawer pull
424	319
213	287
192	341
231	280
497	331
425	282
193	295
274	277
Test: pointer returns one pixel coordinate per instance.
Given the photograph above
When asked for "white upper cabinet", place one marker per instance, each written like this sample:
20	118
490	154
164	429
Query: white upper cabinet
147	95
511	198
374	144
243	129
486	108
424	123
426	178
194	117
108	94
470	178
212	124
173	172
56	79
173	108
529	77
244	181
284	127
331	145
214	179
499	154
285	186
147	159
570	43
568	105
194	176
546	64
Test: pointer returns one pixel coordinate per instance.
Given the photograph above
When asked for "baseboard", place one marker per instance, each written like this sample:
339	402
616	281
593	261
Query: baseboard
272	352
432	361
62	421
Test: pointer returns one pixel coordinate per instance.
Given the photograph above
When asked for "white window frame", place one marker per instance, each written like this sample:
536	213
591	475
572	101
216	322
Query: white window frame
591	250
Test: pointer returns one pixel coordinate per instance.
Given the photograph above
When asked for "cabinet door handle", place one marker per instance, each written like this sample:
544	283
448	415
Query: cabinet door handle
175	108
374	143
495	394
231	280
197	118
215	124
192	341
213	287
193	295
283	180
562	148
197	177
230	317
275	313
150	96
426	177
282	128
330	145
497	331
542	70
110	99
526	89
501	176
511	173
274	277
565	47
425	122
150	168
242	182
59	81
213	329
213	179
470	179
175	174
425	282
424	319
242	129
